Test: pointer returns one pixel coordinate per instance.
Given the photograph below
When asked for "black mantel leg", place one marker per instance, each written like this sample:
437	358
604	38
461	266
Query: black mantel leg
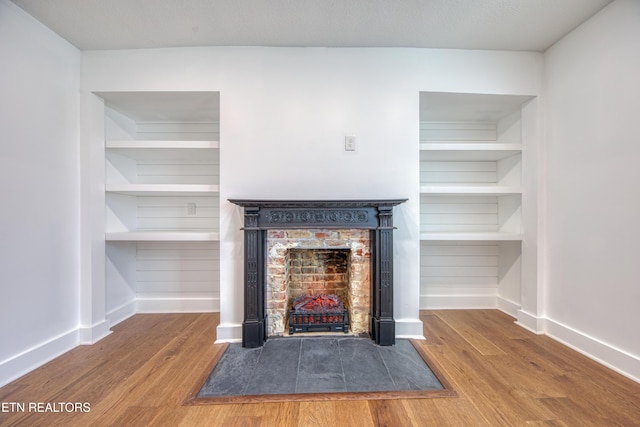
382	324
254	324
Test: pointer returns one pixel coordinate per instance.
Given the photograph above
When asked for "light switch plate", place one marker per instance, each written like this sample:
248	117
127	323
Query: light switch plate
350	143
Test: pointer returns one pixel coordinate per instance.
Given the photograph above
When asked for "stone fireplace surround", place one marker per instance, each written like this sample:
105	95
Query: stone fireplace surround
260	216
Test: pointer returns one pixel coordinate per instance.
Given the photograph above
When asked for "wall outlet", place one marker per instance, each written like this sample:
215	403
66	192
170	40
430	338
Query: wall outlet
350	143
191	208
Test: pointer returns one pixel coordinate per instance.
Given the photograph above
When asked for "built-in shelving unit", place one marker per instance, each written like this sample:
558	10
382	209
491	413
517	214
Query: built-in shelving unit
162	163
471	191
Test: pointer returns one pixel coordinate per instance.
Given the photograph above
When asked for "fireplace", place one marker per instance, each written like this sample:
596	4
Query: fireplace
272	228
318	313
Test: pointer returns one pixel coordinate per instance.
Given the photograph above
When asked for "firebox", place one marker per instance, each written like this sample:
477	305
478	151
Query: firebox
317	286
318	313
311	262
263	217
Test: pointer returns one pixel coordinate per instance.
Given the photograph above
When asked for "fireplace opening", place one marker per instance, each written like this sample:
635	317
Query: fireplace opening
318	290
318	262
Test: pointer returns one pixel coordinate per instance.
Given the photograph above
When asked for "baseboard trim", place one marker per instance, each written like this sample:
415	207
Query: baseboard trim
509	307
177	305
121	313
409	329
613	358
530	322
25	362
94	333
228	333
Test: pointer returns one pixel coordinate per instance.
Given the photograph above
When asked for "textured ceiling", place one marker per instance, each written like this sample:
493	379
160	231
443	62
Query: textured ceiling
531	25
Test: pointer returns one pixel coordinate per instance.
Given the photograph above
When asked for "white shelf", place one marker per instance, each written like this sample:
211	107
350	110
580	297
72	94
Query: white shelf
163	189
484	236
468	151
470	189
164	149
161	236
148	144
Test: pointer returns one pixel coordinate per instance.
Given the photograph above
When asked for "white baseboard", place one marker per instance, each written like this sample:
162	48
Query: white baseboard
509	307
530	322
94	333
228	333
409	329
177	305
121	313
603	353
23	363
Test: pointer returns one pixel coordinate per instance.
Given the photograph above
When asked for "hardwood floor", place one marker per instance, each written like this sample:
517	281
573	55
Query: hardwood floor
504	376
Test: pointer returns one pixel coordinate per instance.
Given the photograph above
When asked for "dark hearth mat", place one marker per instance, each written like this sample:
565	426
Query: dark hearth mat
292	365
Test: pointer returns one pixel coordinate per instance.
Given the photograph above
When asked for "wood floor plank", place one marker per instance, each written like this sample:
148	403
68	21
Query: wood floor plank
281	414
169	416
389	413
136	415
446	412
210	416
318	414
143	372
481	380
547	423
465	325
354	413
431	338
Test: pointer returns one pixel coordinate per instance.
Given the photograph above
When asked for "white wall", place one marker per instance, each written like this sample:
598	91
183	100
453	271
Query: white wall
293	107
39	179
284	114
592	94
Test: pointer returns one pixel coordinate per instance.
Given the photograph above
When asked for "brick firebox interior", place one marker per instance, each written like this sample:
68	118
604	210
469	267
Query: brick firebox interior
318	261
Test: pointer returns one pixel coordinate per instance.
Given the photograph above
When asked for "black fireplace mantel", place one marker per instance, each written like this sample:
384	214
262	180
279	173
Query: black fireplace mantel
263	215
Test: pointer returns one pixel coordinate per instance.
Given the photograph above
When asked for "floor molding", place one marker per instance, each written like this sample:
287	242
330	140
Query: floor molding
603	353
121	313
228	333
25	362
94	333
